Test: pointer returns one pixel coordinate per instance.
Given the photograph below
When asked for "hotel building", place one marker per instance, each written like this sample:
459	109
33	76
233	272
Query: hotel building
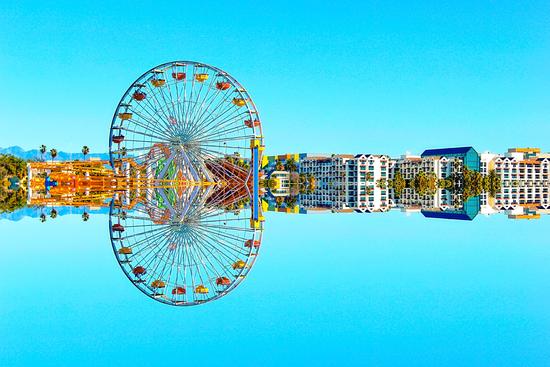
524	173
348	182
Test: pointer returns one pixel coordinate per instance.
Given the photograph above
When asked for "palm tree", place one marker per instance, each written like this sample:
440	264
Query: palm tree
85	216
43	150
53	214
42	217
53	153
290	165
85	151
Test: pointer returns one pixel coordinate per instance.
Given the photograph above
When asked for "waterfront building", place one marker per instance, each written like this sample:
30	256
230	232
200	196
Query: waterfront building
524	173
467	155
347	183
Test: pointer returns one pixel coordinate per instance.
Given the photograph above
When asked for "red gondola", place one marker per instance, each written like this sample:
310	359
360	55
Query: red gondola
251	124
139	270
139	96
250	242
223	281
117	139
178	290
223	85
178	76
118	228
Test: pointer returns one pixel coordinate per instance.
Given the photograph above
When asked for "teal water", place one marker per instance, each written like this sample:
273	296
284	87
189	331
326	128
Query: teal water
342	289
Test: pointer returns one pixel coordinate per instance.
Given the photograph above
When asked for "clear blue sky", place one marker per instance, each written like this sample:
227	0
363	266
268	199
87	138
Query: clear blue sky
327	76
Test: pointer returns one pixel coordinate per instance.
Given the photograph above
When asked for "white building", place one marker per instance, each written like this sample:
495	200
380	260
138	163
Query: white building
348	182
524	173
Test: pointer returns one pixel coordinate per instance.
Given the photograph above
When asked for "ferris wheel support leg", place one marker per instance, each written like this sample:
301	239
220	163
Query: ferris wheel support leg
255	220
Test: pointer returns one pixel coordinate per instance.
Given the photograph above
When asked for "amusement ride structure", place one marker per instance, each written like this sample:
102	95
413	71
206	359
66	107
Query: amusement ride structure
182	183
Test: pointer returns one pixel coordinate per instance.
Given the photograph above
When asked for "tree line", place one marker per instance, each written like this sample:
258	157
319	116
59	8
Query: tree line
469	183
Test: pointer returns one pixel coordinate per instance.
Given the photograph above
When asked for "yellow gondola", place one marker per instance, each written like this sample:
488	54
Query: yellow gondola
201	289
239	265
158	284
201	77
125	251
239	102
158	82
125	115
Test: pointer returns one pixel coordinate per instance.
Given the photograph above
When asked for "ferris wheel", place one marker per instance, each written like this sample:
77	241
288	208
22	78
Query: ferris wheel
195	260
189	136
184	104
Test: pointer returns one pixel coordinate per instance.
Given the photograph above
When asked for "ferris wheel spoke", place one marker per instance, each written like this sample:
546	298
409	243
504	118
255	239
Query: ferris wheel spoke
225	131
146	109
170	102
147	126
143	233
225	99
208	110
145	244
201	103
190	267
208	246
226	146
196	266
153	110
228	134
236	138
212	118
219	99
224	230
155	245
218	122
159	106
224	244
190	101
161	138
149	123
181	97
230	232
204	260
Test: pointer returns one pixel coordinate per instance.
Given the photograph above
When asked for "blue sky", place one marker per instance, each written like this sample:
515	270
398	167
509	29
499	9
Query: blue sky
326	76
385	289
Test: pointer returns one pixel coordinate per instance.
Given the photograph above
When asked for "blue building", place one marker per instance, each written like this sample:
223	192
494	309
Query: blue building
469	211
468	155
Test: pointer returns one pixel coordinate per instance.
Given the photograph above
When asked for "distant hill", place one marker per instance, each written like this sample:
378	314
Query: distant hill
34	154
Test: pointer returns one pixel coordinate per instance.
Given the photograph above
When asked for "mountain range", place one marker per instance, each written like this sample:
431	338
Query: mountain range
34	154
